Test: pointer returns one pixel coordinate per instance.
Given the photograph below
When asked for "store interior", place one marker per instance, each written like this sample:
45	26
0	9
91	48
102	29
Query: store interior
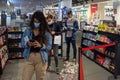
97	40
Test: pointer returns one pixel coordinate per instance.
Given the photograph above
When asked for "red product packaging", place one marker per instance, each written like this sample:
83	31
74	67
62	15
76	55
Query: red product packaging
100	59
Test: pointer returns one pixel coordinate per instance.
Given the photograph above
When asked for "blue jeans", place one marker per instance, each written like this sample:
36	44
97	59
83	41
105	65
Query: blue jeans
68	41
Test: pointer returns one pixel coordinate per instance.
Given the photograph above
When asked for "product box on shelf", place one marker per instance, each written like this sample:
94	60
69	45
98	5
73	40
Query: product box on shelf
2	29
12	29
107	62
15	55
100	59
89	53
112	66
103	38
110	54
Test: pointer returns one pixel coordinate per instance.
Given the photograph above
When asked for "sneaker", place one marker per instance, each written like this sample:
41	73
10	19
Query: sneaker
49	68
66	59
57	70
74	60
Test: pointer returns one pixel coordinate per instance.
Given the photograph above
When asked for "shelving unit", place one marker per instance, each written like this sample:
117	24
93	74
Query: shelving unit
3	48
14	35
15	50
107	57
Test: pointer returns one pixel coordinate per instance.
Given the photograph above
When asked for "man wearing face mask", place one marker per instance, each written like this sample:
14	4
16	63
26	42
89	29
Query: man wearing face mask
55	30
70	35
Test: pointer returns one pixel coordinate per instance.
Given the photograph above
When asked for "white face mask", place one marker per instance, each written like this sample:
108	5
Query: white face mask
36	25
51	22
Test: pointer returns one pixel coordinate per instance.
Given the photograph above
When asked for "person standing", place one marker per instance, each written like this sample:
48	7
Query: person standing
55	30
36	41
70	35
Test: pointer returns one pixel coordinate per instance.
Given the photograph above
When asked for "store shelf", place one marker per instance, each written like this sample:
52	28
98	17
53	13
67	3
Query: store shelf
97	52
99	64
87	31
15	49
112	36
15	32
14	40
101	42
89	39
84	46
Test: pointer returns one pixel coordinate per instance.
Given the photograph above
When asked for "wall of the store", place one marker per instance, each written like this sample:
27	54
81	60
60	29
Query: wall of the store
101	10
117	16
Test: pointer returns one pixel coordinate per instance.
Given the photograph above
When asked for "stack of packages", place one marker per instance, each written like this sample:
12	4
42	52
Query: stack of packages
69	72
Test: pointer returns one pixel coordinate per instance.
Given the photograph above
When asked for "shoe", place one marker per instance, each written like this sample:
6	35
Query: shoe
49	68
66	59
74	60
57	70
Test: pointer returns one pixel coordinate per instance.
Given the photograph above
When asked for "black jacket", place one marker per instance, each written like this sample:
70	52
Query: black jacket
55	27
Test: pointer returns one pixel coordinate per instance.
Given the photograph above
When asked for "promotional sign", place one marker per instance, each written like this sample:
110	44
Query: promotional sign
94	8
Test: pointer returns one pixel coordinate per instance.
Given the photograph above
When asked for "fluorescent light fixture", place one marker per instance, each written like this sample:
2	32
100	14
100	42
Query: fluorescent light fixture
8	3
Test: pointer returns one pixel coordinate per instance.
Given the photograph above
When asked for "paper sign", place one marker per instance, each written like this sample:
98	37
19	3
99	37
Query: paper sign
57	39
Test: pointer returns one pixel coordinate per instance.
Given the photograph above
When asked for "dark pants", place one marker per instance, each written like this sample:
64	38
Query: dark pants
55	51
68	41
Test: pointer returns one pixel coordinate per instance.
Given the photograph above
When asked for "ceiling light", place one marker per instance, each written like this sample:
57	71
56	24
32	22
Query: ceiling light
8	3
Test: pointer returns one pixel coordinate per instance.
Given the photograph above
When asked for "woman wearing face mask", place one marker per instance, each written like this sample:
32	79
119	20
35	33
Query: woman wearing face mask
37	42
55	30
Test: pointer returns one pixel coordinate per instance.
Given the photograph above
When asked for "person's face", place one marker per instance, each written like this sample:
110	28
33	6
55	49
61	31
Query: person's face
36	21
49	20
70	16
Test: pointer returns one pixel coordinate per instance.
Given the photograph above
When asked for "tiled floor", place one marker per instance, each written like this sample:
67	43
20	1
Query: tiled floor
13	71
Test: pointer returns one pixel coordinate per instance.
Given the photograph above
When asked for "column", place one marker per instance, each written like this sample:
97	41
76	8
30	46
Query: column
63	3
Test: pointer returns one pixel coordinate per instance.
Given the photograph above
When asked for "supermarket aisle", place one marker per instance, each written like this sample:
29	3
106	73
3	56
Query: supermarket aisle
92	71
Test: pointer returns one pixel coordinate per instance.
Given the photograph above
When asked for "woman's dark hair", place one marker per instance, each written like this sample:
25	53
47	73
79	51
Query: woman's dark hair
50	16
69	12
43	27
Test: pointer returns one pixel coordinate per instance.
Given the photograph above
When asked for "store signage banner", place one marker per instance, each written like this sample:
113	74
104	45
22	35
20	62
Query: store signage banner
94	8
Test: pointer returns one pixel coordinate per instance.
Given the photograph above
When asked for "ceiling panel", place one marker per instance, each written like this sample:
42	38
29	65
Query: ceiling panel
30	5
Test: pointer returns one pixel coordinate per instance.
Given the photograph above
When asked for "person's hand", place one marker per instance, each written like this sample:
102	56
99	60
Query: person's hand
37	44
70	28
29	43
53	32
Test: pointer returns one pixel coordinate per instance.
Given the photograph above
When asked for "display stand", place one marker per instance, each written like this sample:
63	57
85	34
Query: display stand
14	39
101	45
3	49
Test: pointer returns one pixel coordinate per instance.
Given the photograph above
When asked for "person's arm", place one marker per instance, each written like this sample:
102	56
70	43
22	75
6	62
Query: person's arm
75	25
25	39
49	39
